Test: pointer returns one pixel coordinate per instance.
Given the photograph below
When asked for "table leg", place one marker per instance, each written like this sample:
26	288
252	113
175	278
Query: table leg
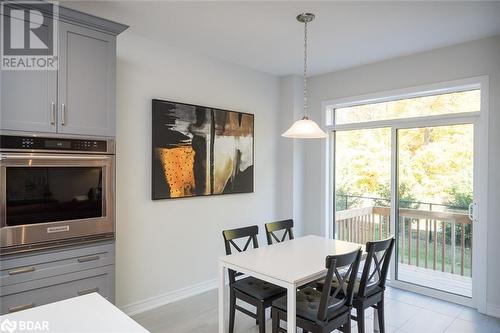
376	328
222	299
291	309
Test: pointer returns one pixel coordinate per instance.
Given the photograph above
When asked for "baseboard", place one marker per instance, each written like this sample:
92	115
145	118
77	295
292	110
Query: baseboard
493	310
170	297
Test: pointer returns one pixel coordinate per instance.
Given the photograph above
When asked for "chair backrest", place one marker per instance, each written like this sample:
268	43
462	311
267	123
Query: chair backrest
250	233
379	254
271	228
344	291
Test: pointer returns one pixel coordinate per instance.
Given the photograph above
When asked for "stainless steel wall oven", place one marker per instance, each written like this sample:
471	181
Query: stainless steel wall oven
55	190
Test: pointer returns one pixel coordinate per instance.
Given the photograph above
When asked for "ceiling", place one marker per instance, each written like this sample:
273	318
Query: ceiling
265	35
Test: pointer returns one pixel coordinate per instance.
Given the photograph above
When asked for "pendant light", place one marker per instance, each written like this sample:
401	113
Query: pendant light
305	128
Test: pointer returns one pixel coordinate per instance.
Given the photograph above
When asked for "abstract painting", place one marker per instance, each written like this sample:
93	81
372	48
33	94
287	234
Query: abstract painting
200	151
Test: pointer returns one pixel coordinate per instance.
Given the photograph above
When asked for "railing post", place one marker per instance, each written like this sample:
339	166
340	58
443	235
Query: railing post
351	238
380	218
410	220
372	219
453	241
418	241
434	241
462	250
388	229
402	219
337	229
443	245
426	240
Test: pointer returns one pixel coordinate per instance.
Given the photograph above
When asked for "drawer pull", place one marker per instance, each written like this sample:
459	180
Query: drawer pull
22	270
21	307
88	258
88	291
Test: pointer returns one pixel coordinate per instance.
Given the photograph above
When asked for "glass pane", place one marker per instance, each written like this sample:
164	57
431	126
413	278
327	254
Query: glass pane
362	184
435	174
42	194
464	101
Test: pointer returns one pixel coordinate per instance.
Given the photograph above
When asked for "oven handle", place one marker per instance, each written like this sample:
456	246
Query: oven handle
54	157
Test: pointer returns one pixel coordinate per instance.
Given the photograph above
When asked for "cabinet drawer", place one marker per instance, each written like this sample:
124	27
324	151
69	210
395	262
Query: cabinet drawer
27	267
44	291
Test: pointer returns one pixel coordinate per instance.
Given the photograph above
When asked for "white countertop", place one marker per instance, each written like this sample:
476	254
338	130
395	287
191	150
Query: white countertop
87	313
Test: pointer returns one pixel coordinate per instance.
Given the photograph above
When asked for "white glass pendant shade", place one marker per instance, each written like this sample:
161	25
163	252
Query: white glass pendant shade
305	128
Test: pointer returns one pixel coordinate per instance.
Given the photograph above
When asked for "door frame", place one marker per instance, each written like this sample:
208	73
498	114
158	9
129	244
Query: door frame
480	120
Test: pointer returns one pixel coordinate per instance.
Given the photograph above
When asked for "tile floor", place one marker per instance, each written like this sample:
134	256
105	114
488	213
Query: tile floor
406	312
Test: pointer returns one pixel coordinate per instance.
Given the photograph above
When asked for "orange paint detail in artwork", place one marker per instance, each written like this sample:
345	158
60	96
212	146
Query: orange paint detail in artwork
178	165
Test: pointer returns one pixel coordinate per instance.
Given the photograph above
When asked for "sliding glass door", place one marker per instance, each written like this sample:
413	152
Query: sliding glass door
405	167
435	167
363	184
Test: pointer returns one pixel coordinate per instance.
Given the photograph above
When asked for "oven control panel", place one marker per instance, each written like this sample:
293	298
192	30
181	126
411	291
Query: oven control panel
41	143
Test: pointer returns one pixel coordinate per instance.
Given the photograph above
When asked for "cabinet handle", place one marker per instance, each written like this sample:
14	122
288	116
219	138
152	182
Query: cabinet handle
53	113
88	258
63	114
88	291
22	270
21	307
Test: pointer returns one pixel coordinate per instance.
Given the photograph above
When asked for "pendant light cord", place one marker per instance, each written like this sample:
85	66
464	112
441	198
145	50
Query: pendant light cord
305	70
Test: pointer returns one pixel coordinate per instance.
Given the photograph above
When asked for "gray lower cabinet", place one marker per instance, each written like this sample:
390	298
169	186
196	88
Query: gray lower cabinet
29	280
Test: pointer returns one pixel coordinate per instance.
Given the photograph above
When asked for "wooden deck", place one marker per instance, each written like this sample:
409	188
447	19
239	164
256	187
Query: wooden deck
453	283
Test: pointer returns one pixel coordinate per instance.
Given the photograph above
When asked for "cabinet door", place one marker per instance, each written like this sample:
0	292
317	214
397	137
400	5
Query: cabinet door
86	81
28	100
43	291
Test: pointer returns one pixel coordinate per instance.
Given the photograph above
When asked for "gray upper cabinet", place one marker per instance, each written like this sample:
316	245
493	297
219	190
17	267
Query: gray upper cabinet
86	81
79	97
28	100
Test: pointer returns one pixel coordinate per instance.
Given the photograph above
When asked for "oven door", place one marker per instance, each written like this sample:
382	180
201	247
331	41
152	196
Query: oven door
54	197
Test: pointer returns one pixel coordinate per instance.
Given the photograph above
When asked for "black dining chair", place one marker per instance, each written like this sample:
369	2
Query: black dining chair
369	289
251	290
370	285
273	227
326	310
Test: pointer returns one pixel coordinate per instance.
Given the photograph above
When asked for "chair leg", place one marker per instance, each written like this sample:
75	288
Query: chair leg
381	319
232	310
276	320
261	315
346	328
360	314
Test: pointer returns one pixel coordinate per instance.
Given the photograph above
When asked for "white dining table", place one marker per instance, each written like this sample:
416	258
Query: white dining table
289	264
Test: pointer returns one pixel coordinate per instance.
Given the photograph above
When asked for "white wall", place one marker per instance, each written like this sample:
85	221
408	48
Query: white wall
166	245
290	180
475	58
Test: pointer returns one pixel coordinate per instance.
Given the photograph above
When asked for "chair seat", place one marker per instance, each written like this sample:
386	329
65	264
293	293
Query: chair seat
307	305
258	289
